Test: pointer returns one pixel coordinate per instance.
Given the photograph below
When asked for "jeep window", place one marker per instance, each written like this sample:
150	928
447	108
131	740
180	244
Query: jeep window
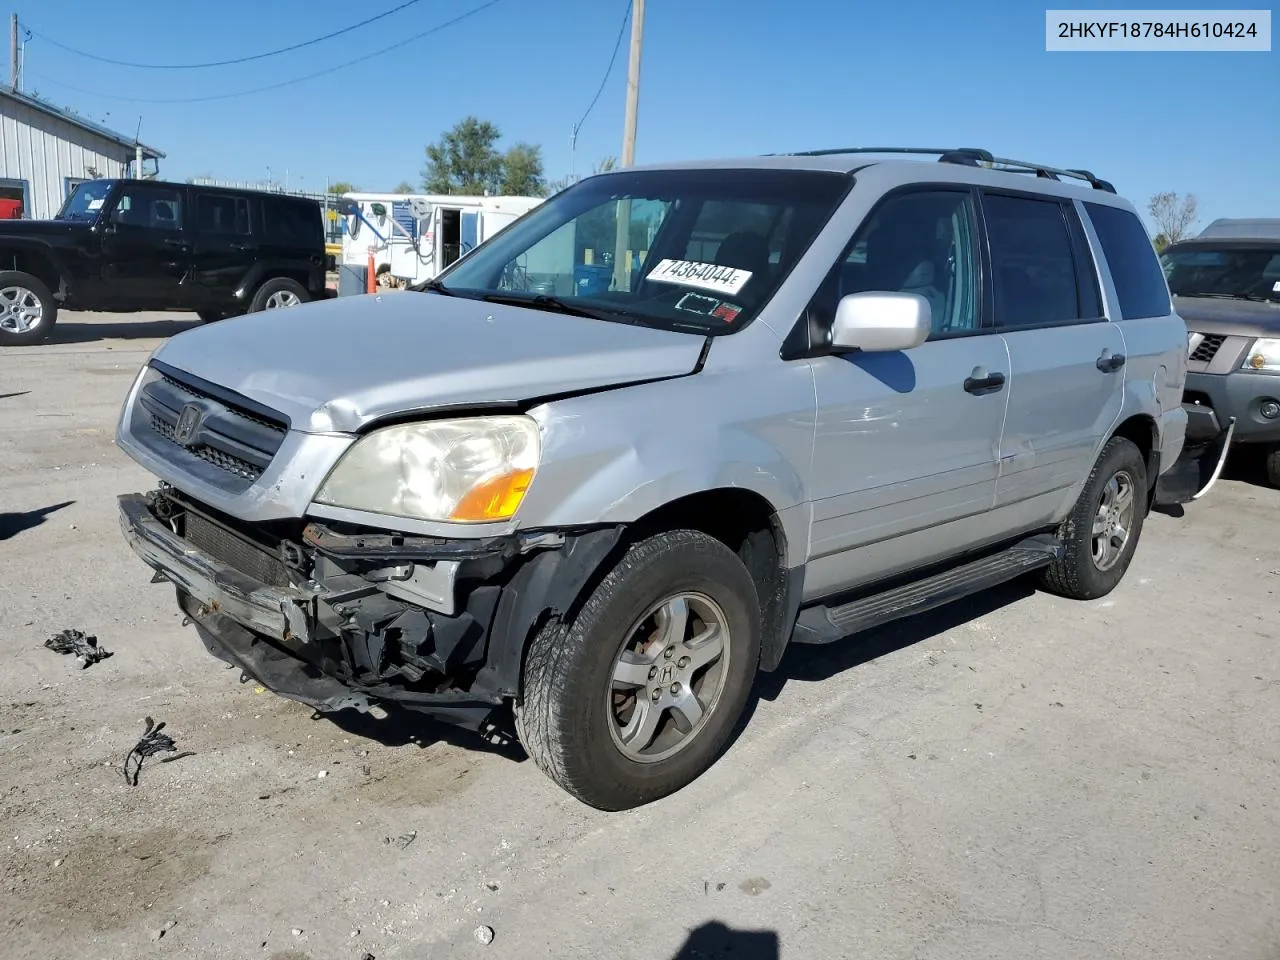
221	214
923	242
292	224
1135	270
85	201
149	207
1033	264
1235	270
699	250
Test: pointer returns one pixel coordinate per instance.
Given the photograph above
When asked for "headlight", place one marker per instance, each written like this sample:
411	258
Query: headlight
460	471
1263	355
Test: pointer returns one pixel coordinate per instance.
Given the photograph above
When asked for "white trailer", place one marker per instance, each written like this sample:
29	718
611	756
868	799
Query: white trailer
412	237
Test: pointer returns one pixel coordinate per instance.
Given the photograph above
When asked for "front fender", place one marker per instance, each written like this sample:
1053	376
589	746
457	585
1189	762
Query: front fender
15	250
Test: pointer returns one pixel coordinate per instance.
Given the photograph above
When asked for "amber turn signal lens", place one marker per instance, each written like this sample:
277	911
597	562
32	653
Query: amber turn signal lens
1257	361
494	499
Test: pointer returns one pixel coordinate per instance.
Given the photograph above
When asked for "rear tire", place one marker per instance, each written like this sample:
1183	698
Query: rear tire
278	292
27	309
612	717
1102	531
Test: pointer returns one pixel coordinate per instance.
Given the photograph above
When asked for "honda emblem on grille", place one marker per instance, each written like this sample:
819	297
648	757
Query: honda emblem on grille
188	424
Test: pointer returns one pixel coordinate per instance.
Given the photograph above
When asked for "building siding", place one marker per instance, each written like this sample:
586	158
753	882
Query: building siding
44	151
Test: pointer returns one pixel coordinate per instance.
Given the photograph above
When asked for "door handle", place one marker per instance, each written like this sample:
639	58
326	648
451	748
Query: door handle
980	382
176	244
1110	363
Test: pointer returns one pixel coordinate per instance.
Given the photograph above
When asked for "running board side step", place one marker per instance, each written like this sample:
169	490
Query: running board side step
824	624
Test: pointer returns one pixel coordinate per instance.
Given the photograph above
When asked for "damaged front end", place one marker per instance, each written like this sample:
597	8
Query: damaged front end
339	617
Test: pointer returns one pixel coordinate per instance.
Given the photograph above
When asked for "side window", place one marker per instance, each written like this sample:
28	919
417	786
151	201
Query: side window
150	207
921	242
221	214
1135	268
294	224
1033	266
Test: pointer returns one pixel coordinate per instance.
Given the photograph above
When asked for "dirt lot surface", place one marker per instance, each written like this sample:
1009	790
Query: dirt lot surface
1016	777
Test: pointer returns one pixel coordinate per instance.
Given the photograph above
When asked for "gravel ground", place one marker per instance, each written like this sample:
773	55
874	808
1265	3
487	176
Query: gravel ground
1017	776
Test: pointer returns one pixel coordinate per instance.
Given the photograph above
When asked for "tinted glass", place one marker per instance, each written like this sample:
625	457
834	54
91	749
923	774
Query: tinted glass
701	250
1032	264
295	224
919	242
1135	269
222	214
151	207
1227	270
85	202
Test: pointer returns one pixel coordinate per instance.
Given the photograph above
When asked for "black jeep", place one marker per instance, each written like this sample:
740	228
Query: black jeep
129	245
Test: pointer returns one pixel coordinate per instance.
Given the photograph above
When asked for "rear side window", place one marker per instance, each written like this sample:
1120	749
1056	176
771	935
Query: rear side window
1135	268
222	214
294	224
1033	263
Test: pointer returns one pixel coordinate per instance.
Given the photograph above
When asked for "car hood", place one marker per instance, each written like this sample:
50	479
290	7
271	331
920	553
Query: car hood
338	365
42	228
1229	318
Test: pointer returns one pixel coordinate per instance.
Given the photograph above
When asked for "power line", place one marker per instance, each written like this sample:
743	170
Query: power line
284	83
222	63
626	15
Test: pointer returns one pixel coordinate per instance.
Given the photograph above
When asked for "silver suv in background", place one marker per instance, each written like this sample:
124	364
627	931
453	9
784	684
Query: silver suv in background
1226	286
611	463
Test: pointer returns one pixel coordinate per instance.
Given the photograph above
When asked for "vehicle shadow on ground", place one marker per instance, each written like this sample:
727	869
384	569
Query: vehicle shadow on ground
72	332
402	728
806	663
12	524
714	939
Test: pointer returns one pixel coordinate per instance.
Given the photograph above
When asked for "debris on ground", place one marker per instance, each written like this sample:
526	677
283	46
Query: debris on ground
152	742
84	646
160	932
403	840
484	934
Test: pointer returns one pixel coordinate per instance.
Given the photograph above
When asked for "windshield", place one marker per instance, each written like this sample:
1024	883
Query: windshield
699	250
87	200
1248	272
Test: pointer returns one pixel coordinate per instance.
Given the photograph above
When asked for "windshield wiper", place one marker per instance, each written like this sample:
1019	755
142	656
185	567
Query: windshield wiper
1226	296
434	286
542	301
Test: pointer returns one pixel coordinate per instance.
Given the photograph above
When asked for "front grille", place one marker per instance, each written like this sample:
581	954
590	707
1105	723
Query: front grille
228	435
1207	348
237	552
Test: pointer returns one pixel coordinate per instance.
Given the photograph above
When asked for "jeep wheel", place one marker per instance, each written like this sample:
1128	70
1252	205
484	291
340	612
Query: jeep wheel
1102	531
27	309
638	695
278	292
1273	466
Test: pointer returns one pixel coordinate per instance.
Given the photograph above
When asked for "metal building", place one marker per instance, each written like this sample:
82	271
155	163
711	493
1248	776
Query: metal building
45	152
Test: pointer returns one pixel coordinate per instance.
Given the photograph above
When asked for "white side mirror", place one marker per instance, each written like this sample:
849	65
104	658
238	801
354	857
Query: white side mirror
881	322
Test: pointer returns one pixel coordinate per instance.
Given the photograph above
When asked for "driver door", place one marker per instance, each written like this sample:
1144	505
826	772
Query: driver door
147	251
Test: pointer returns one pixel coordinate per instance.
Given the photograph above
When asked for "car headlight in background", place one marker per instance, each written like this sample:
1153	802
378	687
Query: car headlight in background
1263	355
474	470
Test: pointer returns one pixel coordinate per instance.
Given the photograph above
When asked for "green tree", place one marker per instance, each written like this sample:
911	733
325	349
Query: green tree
1173	215
522	174
464	160
1160	241
339	187
404	186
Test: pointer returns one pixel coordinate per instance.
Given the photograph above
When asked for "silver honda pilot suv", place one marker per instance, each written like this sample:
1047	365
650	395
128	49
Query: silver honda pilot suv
583	485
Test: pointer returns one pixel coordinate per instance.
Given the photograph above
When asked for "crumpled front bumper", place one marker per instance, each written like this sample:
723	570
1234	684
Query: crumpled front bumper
335	640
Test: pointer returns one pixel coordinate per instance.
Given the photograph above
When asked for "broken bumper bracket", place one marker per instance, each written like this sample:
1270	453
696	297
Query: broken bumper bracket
1196	470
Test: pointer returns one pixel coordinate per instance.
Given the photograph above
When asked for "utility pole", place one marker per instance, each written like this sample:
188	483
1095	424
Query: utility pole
622	236
13	53
633	83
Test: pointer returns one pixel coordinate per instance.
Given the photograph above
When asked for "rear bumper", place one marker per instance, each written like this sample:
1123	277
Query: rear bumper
1199	464
1211	399
334	638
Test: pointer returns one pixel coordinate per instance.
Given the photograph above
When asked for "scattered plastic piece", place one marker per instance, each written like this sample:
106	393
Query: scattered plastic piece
84	647
484	934
152	742
403	840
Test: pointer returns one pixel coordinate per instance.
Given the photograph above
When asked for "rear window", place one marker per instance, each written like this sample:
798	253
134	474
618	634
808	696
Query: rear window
1135	268
296	224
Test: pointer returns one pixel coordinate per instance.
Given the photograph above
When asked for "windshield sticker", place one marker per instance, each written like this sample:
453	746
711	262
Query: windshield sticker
1275	287
96	204
704	276
727	312
697	303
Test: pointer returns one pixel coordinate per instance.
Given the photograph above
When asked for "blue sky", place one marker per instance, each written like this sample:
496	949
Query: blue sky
719	77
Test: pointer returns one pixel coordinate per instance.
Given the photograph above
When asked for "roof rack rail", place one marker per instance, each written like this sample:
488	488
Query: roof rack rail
970	157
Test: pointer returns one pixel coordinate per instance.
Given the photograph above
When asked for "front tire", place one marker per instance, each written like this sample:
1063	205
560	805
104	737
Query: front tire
1102	531
27	309
638	695
278	292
